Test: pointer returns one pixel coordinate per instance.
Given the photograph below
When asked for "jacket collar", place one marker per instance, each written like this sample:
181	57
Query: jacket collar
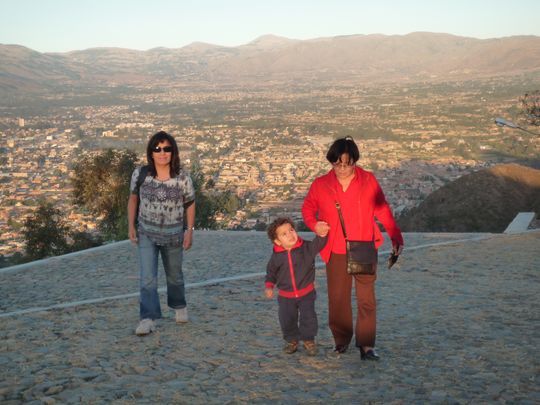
332	180
299	243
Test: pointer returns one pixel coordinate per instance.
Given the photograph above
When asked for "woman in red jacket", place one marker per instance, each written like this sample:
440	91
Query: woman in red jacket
361	200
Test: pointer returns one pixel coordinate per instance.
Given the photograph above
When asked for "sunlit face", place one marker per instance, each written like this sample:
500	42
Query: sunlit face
286	236
344	167
162	154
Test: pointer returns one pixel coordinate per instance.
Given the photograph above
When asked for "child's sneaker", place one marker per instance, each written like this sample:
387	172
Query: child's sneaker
145	327
291	347
311	347
181	315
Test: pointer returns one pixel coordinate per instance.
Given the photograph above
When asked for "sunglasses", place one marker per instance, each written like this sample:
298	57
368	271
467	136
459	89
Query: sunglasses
166	149
392	259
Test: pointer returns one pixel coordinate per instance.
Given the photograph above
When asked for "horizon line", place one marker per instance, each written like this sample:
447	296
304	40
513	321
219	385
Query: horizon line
264	36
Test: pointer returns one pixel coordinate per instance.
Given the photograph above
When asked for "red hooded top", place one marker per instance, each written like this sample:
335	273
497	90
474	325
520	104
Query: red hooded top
320	205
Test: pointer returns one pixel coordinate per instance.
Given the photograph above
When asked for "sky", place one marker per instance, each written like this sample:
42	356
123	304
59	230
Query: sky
66	25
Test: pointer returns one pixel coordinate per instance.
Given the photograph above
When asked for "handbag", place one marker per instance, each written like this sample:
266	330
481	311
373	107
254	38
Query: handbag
361	255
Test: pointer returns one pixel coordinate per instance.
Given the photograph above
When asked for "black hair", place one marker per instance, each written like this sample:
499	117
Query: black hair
272	228
156	139
341	146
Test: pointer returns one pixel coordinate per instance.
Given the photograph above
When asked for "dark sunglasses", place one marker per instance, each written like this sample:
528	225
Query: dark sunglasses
167	149
392	259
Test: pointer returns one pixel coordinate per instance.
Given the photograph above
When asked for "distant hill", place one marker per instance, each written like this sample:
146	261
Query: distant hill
369	58
484	201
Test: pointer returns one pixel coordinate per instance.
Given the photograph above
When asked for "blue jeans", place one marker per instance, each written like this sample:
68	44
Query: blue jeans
171	257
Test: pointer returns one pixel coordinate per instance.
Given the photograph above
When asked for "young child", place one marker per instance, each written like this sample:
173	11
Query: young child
292	269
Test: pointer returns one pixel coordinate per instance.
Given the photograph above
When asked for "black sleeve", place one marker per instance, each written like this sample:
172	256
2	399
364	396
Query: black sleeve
271	271
316	245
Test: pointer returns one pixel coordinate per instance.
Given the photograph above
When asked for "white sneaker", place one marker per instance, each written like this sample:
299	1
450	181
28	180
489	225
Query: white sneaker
181	315
145	327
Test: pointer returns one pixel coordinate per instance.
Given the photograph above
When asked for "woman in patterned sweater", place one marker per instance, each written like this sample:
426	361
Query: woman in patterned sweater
165	198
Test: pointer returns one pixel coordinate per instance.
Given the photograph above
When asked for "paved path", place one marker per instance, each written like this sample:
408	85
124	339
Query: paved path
112	270
457	323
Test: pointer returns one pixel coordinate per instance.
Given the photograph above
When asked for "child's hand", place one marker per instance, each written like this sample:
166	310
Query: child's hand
269	293
321	229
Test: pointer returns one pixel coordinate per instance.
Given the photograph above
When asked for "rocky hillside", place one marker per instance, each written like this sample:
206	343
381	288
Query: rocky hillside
485	201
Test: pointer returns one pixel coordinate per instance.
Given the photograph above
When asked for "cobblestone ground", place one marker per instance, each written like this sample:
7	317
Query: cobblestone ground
113	270
457	323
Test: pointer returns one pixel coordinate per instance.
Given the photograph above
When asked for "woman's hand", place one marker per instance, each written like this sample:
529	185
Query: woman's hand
133	201
322	228
397	248
132	233
188	239
268	293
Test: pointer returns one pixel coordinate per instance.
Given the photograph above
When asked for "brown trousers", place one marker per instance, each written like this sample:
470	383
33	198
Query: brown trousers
339	304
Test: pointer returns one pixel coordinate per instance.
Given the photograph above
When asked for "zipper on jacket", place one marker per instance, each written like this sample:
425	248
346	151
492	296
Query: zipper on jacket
291	270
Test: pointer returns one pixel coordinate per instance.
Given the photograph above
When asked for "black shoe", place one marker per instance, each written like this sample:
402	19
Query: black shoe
369	355
340	349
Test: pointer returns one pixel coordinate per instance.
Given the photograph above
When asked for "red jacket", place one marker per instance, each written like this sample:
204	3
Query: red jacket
320	205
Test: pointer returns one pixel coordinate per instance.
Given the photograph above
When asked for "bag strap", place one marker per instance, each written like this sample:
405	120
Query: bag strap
142	176
341	220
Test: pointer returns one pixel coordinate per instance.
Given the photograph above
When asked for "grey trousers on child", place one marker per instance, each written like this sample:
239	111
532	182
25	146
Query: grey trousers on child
297	317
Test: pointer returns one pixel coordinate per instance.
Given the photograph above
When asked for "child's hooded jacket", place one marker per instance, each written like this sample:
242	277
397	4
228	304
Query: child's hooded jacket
293	271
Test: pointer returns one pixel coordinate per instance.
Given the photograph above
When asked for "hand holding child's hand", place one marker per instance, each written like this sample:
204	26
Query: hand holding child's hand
269	293
322	228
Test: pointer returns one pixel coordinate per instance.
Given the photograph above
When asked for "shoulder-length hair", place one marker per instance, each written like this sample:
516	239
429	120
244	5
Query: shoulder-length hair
156	139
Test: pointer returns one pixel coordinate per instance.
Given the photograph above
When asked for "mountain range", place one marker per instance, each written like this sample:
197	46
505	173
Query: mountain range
484	201
362	58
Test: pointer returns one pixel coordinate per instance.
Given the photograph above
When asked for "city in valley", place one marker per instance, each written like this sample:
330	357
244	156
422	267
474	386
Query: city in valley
265	143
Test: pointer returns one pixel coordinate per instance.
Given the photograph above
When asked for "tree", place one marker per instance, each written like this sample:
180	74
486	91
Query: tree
101	185
260	226
211	202
227	202
530	107
205	208
83	240
45	232
14	259
4	262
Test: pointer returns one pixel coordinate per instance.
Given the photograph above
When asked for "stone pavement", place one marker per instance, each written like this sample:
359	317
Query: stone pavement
457	323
